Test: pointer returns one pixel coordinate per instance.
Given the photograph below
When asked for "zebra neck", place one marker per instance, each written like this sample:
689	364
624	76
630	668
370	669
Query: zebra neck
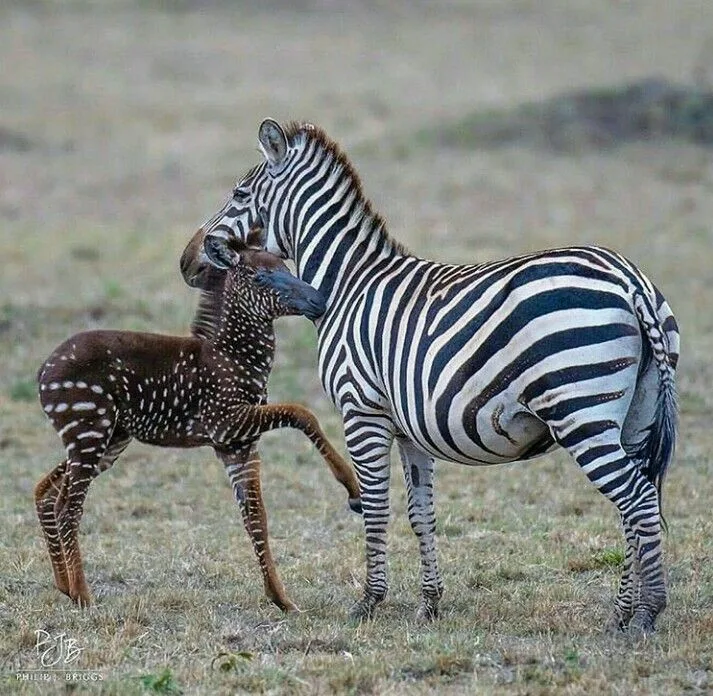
330	258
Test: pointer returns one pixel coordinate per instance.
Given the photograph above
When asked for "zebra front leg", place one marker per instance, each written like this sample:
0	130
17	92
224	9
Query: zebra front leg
418	473
47	493
243	469
369	440
259	419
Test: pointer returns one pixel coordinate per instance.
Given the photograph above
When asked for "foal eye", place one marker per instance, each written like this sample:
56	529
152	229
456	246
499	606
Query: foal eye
241	194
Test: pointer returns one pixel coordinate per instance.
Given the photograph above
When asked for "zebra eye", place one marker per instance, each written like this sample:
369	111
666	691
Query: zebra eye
241	195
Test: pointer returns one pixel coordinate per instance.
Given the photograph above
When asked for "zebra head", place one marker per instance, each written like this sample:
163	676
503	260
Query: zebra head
253	202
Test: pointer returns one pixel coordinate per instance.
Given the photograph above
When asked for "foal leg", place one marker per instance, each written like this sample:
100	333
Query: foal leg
97	447
80	473
418	473
47	491
243	469
259	419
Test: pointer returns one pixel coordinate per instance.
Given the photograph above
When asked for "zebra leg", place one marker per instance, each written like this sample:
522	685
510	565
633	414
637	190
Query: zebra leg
619	478
369	440
418	473
47	491
645	520
243	469
628	587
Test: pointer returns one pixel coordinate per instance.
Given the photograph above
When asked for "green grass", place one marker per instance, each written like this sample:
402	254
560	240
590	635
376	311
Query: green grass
134	122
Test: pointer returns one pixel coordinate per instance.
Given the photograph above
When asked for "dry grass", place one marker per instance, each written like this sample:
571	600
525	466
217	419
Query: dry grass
123	125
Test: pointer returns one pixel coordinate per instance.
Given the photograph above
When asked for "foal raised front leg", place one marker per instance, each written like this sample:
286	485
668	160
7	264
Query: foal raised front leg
243	469
418	473
256	420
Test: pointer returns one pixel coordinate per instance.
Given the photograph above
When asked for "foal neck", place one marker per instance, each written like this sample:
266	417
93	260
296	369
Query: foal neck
243	332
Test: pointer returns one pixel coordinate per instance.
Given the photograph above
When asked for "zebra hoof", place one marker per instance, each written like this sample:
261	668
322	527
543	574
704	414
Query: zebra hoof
427	612
363	610
617	623
641	626
355	505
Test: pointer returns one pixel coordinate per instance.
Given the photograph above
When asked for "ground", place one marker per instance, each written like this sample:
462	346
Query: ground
123	126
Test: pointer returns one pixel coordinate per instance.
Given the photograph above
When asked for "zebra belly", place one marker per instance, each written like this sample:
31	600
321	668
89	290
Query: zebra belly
509	433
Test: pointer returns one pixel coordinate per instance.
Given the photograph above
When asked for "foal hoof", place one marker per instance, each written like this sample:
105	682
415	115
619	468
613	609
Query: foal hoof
355	505
284	604
83	600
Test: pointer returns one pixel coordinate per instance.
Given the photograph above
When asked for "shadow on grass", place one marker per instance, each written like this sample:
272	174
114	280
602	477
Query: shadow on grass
596	119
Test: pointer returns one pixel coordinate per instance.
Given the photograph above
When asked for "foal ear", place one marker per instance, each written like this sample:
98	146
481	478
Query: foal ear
273	141
219	252
256	238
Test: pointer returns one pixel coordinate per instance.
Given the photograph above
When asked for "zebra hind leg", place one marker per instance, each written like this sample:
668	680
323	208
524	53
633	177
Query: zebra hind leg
628	592
418	473
620	479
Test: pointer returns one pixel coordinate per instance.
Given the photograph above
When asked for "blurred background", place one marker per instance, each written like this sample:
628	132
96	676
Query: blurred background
480	129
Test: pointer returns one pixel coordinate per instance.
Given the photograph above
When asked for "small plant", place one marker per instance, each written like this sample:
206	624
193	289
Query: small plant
113	289
162	683
606	558
23	390
571	657
229	662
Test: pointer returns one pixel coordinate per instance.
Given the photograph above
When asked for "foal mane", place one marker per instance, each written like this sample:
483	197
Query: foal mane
210	305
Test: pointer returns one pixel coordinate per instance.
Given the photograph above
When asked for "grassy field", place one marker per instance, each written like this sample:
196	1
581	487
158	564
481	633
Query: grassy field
123	124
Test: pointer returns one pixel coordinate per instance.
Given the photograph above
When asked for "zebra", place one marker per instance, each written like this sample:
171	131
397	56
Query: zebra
477	364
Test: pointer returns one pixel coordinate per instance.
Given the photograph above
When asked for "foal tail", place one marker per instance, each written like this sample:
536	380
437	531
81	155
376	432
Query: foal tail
657	449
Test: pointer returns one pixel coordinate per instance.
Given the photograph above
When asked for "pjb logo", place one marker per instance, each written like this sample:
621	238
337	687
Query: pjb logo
56	651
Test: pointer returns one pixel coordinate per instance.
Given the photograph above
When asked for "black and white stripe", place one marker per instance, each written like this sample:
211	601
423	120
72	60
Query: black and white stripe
484	364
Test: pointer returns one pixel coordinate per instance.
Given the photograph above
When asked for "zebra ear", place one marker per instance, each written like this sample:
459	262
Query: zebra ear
273	141
219	252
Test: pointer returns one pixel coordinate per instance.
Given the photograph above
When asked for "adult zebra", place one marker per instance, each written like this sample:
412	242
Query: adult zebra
475	364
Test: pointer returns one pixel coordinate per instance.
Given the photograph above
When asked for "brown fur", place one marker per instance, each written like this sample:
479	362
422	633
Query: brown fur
102	388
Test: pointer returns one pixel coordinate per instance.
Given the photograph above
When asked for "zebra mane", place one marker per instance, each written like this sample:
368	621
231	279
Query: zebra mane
210	305
296	130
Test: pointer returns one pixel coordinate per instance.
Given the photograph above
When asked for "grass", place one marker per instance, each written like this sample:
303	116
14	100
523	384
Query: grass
122	130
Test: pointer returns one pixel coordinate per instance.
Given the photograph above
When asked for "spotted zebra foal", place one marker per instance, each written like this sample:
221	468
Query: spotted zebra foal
100	389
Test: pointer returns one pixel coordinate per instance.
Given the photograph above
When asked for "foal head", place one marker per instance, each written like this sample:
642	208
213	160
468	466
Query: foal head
258	283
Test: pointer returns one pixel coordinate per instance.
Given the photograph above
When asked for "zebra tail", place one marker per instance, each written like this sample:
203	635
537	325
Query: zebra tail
657	449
